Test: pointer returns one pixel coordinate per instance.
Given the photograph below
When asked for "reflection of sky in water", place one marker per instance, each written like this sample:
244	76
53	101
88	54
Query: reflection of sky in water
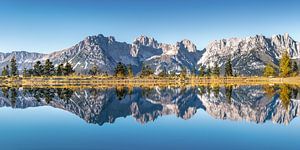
49	128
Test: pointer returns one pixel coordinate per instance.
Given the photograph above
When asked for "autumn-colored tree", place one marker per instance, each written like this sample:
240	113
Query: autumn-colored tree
269	71
285	65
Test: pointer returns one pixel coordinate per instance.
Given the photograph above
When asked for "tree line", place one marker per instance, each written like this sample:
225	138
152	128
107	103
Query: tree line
39	69
121	70
286	68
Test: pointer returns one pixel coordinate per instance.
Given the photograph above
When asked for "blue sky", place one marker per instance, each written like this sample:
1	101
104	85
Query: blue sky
46	26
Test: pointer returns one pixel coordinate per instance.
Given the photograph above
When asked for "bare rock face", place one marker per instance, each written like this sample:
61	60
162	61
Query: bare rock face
250	55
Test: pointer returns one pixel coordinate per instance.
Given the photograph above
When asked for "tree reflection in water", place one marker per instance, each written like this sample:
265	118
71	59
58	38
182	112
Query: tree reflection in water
145	104
285	95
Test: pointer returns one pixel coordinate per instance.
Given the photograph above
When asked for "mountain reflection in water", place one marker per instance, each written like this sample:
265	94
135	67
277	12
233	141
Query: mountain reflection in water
257	104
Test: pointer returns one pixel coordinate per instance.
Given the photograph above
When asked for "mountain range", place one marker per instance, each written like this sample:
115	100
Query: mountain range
249	55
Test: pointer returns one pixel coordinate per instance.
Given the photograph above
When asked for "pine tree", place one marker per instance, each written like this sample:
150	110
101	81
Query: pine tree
285	65
295	68
228	68
216	70
94	70
30	72
68	70
269	71
201	71
59	70
38	69
13	67
121	70
163	73
48	68
130	71
5	72
146	71
25	72
183	73
208	71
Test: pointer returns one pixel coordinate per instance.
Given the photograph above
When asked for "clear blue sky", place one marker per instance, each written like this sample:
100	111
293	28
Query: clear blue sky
50	25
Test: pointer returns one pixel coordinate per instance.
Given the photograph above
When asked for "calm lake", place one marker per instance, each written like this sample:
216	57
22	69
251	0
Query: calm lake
203	117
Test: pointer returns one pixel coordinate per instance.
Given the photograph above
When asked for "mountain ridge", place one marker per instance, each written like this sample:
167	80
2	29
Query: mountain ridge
249	55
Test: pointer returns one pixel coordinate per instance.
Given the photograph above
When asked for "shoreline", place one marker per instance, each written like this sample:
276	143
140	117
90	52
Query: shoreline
110	81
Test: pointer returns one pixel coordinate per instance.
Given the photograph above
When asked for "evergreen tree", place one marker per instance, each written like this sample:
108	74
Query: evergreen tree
216	70
269	71
163	73
285	65
183	72
228	68
48	68
30	72
146	71
5	71
94	70
13	67
295	68
130	71
201	71
60	70
208	71
38	69
68	70
25	72
121	70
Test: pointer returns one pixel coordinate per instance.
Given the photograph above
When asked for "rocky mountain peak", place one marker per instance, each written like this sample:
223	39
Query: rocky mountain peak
249	55
146	41
98	39
188	45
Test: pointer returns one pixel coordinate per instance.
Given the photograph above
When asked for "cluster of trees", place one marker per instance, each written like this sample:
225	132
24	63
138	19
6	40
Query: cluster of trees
287	67
13	70
122	70
48	69
215	71
38	69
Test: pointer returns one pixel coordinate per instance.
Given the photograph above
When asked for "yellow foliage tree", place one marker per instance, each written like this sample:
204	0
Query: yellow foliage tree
285	65
269	71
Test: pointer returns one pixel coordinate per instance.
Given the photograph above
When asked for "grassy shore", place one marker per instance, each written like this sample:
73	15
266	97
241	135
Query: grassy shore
110	81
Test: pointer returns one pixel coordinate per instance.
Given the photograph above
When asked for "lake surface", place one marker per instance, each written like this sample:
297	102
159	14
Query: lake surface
204	117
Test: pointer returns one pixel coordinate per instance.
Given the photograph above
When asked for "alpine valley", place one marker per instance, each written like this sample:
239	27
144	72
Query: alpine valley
249	55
